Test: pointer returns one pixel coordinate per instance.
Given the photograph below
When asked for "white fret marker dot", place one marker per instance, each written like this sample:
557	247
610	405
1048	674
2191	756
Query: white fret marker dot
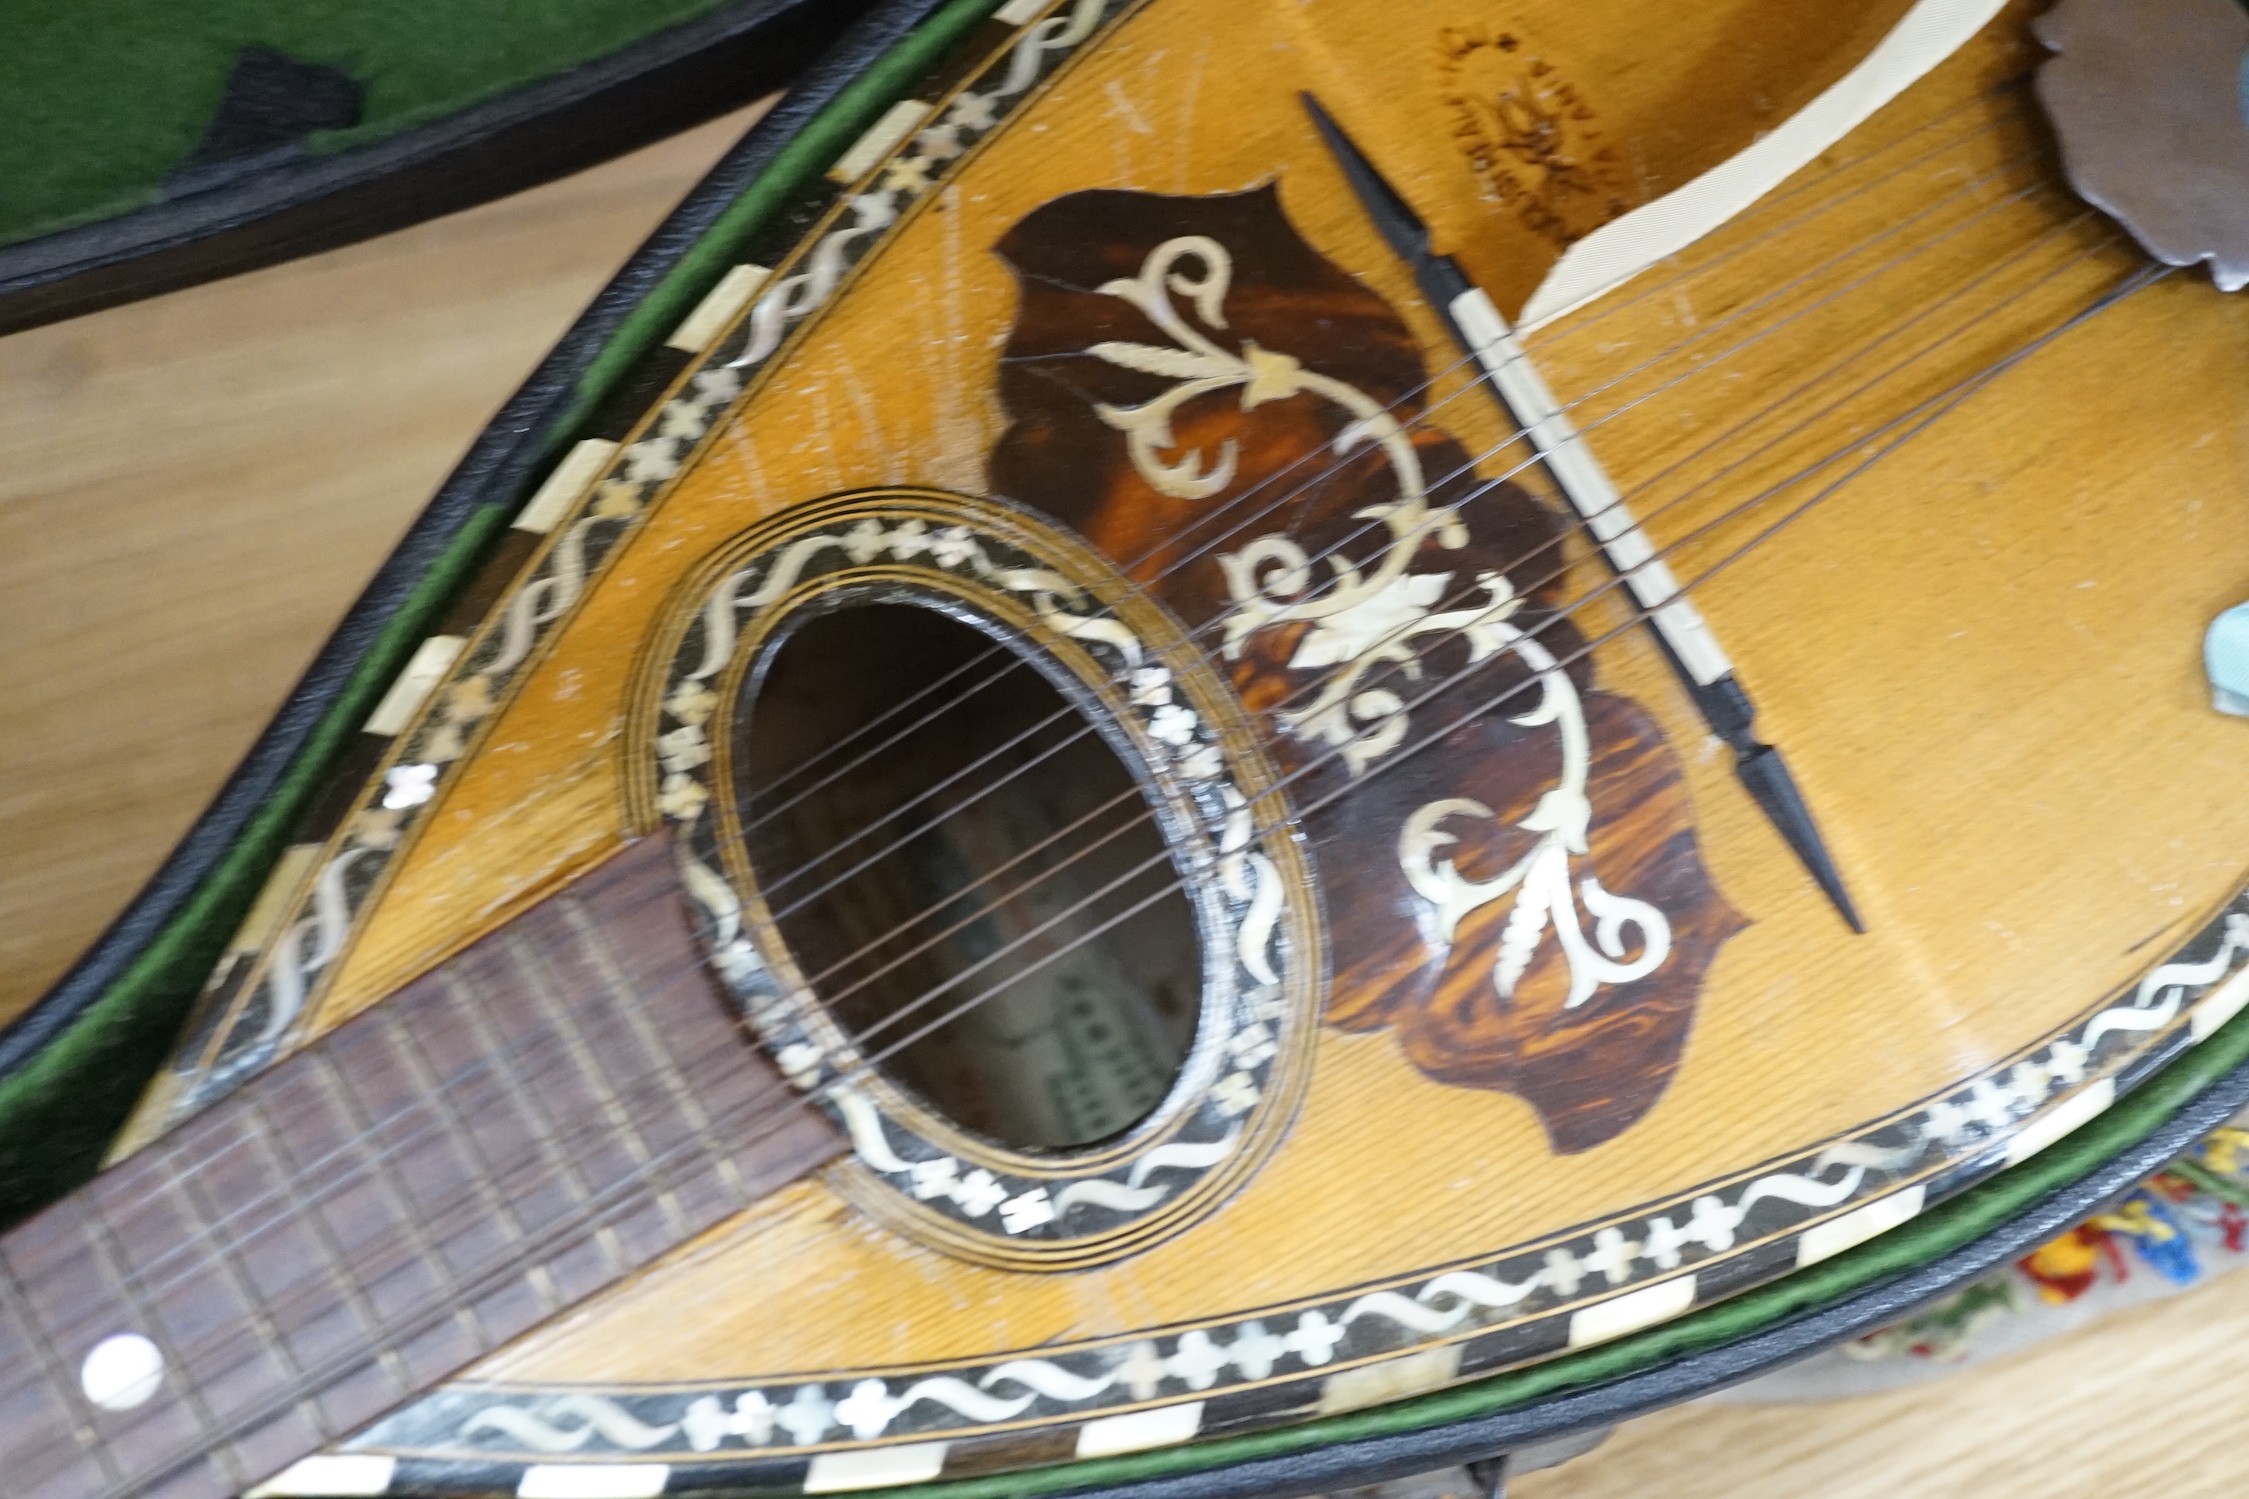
123	1371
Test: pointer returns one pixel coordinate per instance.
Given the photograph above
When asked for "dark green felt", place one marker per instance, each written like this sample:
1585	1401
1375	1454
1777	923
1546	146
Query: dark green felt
99	99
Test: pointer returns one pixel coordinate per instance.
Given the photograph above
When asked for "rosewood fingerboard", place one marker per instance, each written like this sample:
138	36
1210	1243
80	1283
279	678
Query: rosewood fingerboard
538	1118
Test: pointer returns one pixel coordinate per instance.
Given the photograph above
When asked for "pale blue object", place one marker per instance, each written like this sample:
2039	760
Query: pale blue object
2225	654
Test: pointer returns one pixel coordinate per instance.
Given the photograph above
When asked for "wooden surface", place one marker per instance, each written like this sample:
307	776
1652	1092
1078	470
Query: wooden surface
174	531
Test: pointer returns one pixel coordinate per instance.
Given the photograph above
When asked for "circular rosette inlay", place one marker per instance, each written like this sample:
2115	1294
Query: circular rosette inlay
874	723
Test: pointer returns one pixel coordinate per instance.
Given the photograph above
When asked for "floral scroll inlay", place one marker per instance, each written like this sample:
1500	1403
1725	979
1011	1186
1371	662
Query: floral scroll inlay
1371	596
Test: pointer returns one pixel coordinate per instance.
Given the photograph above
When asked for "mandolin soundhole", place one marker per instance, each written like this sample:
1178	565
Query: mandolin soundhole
953	853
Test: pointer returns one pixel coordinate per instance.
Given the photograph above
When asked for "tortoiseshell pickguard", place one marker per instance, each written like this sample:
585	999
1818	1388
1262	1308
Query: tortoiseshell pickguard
1280	311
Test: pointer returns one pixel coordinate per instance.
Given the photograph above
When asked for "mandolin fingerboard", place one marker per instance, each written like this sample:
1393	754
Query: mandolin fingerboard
543	1115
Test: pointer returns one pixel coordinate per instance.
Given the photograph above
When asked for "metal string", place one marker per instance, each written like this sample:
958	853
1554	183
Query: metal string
1781	198
1914	421
1561	534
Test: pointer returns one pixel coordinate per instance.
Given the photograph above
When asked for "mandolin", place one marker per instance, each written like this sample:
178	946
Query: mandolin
1206	744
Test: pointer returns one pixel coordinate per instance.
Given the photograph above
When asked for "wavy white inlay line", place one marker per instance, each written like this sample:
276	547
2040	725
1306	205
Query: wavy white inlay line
874	1467
593	1481
1801	1190
1619	250
329	1476
963	1399
1115	1196
1049	1379
1254	941
864	1124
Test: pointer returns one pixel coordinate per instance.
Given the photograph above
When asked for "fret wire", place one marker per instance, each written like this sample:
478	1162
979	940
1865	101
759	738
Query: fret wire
231	1265
60	1376
104	1245
453	1284
545	1135
564	1018
1919	418
575	1233
460	1198
461	1076
369	1320
1894	171
1847	196
458	1135
515	1253
162	1180
671	1067
406	1218
626	1203
545	1132
598	1214
468	1071
691	1072
691	1007
628	1012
